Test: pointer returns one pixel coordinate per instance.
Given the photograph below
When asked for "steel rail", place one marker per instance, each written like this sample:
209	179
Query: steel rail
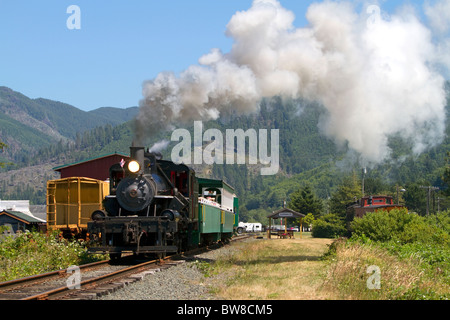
23	281
64	289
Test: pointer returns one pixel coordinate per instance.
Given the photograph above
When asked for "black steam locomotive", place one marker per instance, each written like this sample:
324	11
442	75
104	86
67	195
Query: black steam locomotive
154	206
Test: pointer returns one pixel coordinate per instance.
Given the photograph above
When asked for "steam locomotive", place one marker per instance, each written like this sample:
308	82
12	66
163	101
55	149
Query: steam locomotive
156	206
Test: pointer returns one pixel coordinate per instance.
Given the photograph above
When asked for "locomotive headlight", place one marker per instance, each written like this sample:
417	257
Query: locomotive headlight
133	166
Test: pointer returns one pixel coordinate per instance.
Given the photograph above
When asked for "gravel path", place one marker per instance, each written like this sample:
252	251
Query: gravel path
182	282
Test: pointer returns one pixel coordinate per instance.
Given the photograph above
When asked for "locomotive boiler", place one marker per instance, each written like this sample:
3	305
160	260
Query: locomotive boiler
157	206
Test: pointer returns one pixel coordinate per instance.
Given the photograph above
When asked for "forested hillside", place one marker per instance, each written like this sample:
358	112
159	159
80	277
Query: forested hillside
27	125
307	158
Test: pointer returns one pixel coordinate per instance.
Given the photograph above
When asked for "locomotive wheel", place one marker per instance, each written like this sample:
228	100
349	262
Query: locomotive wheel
161	255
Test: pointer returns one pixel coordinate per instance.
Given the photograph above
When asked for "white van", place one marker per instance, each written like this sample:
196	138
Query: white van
249	227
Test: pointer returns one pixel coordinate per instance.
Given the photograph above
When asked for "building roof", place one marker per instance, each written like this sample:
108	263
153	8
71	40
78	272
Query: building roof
21	206
21	216
204	182
39	211
59	168
377	196
285	213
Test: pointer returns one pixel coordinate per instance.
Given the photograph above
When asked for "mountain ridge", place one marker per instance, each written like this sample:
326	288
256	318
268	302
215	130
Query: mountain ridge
31	124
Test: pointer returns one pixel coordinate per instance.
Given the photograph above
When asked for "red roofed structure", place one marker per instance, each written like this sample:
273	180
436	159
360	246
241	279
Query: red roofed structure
95	168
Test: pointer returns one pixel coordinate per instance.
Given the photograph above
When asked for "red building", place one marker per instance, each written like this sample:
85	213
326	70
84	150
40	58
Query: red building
371	204
95	168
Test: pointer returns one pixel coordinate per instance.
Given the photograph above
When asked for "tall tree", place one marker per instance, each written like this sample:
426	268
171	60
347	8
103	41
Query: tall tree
348	192
446	177
305	201
2	146
416	198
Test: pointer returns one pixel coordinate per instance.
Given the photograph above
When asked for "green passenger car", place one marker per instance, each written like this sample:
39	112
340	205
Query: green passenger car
217	210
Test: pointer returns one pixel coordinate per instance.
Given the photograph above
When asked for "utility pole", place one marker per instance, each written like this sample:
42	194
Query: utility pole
430	188
364	171
398	195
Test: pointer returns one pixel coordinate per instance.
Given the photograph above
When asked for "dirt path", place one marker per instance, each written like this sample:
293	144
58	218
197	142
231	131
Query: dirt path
286	269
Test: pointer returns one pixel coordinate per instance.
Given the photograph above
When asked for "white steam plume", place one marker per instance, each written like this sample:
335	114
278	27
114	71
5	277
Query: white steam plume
159	146
375	76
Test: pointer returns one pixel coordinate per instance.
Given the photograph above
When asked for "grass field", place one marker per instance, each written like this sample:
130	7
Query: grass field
296	269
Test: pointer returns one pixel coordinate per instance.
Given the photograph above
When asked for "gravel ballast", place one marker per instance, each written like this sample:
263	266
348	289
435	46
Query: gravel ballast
184	281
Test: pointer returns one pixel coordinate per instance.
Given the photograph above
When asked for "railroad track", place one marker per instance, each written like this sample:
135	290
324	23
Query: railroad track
96	279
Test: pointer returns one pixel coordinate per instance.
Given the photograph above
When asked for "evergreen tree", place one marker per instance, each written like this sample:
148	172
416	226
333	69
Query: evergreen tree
2	146
305	201
446	177
416	198
348	192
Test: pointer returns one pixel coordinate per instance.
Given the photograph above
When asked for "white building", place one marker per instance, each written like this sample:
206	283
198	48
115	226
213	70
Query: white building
18	205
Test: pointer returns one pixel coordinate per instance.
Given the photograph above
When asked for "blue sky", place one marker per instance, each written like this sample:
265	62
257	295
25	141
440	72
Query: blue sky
120	44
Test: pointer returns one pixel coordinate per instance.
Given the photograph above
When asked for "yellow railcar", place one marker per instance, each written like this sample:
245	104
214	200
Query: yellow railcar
70	203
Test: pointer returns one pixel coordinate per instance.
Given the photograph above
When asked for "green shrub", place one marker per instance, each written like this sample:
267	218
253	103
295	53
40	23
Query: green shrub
329	226
441	220
32	253
411	237
399	225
